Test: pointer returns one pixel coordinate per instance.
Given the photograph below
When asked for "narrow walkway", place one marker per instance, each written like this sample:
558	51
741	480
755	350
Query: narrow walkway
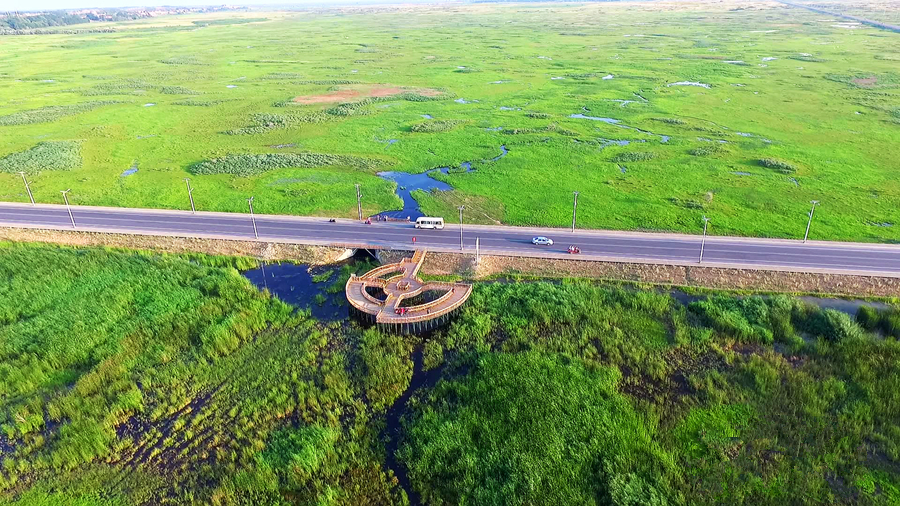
399	281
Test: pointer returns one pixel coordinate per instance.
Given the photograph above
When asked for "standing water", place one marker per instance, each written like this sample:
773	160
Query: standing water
408	183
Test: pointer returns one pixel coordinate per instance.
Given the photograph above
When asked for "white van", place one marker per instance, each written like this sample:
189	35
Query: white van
426	222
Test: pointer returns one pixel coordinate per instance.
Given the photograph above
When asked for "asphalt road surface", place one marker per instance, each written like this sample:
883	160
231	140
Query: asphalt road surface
672	249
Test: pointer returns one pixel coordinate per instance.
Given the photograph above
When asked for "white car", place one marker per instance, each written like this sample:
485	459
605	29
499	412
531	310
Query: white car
542	241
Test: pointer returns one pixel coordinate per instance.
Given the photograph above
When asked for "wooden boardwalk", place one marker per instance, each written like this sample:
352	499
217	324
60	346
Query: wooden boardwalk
399	281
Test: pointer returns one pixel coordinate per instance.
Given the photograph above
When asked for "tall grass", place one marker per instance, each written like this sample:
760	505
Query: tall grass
746	399
134	377
248	165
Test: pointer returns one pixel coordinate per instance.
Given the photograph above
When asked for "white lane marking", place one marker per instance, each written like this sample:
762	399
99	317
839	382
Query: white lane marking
714	250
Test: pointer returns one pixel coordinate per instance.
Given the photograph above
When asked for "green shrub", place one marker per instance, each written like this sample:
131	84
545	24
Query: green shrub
885	321
671	121
634	156
264	122
529	428
438	125
51	113
778	165
177	90
868	317
385	367
433	355
539	115
687	203
781	310
891	324
834	326
710	150
326	82
299	454
51	155
183	60
282	75
551	128
119	87
249	165
747	319
198	103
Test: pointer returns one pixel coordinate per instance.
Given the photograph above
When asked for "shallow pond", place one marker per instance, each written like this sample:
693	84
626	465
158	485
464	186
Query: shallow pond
296	284
408	183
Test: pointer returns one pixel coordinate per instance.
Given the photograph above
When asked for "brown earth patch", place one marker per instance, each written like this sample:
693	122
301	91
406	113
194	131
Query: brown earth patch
866	82
346	95
316	255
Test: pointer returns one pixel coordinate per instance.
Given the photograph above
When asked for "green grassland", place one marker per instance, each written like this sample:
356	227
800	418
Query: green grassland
820	102
134	378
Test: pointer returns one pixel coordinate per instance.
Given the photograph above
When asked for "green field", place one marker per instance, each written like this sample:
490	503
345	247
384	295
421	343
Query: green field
134	378
179	96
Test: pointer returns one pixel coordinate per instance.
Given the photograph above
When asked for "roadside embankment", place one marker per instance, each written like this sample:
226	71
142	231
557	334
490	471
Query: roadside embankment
678	275
492	265
271	251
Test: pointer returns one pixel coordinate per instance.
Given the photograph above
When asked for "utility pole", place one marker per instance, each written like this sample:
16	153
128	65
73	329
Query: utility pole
703	241
358	203
574	207
187	180
808	223
461	227
66	198
252	219
27	189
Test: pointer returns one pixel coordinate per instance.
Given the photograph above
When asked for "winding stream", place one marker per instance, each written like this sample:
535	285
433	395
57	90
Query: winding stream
425	181
612	121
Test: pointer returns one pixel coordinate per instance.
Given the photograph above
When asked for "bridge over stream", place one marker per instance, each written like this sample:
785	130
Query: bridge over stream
399	282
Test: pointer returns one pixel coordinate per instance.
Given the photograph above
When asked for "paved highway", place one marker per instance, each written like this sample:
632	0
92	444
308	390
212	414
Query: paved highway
672	249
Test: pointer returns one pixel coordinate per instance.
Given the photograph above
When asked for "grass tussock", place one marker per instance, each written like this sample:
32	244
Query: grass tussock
250	165
51	155
634	156
438	125
51	113
778	165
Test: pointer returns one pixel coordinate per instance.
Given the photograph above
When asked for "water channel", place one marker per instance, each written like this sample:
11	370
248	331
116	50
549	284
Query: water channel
408	182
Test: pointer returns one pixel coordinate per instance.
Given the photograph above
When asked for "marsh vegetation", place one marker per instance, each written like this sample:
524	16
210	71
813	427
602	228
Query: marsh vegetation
230	90
140	378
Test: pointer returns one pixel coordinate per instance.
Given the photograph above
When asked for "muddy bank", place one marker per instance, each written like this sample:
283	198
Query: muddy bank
315	255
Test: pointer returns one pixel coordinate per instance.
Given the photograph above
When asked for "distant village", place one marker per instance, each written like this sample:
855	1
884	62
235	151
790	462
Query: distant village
22	21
